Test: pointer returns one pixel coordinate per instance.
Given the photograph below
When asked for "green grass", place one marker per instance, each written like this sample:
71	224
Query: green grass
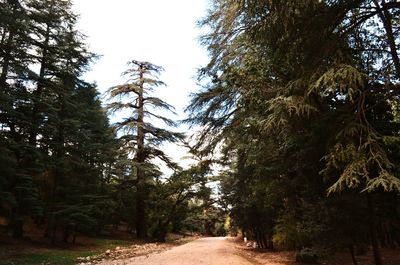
111	243
60	257
42	256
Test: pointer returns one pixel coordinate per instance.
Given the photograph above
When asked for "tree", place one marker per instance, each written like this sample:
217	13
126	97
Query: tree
15	59
300	96
141	138
55	134
172	197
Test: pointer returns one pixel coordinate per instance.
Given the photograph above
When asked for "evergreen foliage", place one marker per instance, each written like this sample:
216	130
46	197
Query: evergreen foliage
141	139
302	97
55	135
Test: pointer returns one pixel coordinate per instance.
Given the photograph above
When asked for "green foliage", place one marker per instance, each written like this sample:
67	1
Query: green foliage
141	139
142	79
286	234
307	255
299	98
56	136
178	202
345	79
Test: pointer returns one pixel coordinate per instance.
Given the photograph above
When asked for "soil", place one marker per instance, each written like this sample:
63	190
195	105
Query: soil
204	251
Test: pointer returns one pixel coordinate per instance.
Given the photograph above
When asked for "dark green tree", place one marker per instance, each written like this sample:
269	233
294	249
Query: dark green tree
56	136
15	59
309	87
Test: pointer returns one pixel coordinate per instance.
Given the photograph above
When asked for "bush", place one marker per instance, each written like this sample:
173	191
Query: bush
307	255
220	229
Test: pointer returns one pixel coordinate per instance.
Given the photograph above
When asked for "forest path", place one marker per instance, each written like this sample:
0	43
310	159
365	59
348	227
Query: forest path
205	251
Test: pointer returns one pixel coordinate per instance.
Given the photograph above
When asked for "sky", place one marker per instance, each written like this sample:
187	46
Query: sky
158	31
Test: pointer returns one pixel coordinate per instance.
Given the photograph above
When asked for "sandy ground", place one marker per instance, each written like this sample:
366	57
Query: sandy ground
229	251
205	251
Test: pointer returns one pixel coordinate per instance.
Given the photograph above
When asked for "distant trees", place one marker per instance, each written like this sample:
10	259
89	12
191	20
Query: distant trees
178	199
303	97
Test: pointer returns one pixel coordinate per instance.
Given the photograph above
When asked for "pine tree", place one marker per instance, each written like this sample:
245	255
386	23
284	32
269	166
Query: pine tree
300	95
53	129
14	111
141	138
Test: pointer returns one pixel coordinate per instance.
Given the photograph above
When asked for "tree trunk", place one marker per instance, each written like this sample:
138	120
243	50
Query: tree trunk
7	49
271	243
7	44
54	232
66	234
161	232
6	63
38	92
353	256
17	227
372	230
141	222
141	225
47	230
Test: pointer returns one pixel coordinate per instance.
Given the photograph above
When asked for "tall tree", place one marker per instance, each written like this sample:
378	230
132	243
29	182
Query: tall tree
141	138
311	84
15	59
53	129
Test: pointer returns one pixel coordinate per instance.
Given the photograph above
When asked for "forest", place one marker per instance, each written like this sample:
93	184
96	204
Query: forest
297	121
64	167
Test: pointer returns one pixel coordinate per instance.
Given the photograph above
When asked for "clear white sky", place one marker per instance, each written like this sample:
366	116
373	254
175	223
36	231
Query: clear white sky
163	32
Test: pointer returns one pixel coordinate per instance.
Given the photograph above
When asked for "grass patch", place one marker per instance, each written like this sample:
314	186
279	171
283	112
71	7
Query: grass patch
60	257
180	239
111	243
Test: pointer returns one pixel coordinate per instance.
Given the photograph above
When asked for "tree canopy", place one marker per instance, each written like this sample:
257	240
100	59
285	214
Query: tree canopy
63	167
141	139
302	97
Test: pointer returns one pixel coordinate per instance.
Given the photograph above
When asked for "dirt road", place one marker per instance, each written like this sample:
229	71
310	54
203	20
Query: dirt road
205	251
